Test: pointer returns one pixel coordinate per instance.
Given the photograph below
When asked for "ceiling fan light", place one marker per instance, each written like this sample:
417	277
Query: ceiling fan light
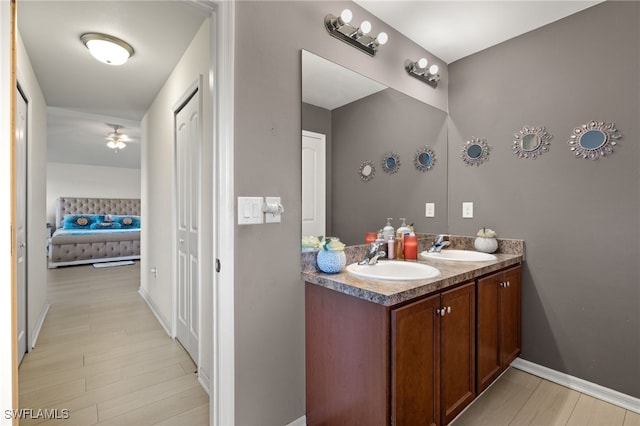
107	49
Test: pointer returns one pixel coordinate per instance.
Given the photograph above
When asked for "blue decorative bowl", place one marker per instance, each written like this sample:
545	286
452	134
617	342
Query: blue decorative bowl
331	262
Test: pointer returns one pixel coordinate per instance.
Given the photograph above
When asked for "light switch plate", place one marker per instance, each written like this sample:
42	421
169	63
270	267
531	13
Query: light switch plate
250	210
467	210
429	210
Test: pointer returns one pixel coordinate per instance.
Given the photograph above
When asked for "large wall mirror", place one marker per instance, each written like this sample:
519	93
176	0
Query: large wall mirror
361	120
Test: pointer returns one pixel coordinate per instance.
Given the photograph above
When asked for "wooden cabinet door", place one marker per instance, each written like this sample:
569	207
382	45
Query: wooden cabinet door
415	363
457	350
510	337
488	329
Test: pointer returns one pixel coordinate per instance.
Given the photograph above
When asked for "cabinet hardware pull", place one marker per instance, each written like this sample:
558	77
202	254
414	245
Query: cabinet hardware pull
508	284
448	309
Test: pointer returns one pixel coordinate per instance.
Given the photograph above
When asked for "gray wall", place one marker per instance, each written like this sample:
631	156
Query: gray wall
367	129
579	218
317	119
269	296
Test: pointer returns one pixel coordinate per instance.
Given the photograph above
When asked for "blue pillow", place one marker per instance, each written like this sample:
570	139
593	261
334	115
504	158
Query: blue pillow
80	221
105	225
126	221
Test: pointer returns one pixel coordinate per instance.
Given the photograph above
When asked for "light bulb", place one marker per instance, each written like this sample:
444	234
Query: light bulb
422	63
365	27
382	38
433	69
346	16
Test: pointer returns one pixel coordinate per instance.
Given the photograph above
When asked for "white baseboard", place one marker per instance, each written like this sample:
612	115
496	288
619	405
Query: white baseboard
600	392
204	381
301	421
38	327
161	319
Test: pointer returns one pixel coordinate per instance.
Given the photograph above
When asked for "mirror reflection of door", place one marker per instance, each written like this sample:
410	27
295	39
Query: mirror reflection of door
314	166
21	219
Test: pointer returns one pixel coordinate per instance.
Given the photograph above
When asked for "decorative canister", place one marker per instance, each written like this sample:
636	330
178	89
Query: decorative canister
331	261
484	244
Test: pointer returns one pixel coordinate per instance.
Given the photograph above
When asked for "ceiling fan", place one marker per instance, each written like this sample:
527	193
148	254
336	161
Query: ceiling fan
116	139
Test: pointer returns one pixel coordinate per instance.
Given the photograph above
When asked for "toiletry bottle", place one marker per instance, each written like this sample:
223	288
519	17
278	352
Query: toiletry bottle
399	246
382	243
391	249
388	230
403	229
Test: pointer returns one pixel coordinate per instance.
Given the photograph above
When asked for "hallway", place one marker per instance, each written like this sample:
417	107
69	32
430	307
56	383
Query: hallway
103	356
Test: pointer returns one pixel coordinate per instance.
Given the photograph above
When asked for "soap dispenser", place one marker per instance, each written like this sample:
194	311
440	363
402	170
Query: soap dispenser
388	231
403	229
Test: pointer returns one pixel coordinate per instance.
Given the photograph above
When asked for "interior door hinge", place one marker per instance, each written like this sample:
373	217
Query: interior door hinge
217	265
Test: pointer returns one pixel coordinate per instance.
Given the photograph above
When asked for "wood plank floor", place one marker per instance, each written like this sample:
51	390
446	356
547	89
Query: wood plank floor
103	356
518	398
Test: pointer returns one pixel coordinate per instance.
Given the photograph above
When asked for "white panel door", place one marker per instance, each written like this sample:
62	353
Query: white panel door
314	183
188	207
21	220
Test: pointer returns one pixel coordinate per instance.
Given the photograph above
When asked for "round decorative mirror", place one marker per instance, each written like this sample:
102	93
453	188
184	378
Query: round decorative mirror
391	163
367	171
594	140
531	142
425	159
475	151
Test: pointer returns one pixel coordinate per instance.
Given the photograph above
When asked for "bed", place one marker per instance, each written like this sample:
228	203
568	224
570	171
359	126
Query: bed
94	230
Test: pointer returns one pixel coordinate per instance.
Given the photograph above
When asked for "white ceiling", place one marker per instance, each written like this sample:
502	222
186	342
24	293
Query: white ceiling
84	94
71	80
452	30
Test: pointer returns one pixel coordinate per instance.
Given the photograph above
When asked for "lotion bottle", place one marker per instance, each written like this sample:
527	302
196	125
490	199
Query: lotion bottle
388	231
403	229
391	253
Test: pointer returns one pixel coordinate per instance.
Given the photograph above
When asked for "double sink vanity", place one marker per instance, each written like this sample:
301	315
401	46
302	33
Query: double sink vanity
412	344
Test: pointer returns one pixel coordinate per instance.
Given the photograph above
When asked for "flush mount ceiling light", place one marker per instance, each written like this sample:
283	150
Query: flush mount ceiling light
115	138
339	27
422	71
108	49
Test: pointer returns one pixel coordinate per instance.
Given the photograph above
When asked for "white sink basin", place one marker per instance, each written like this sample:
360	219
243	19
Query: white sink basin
459	255
393	270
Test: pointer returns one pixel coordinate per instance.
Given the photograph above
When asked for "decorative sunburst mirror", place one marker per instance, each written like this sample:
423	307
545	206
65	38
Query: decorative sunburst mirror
391	163
531	142
594	140
475	151
424	159
367	171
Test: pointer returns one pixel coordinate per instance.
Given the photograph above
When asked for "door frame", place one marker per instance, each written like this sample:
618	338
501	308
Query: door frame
221	74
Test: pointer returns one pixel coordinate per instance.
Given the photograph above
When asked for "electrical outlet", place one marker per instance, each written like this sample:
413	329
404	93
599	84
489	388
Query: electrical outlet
429	210
467	210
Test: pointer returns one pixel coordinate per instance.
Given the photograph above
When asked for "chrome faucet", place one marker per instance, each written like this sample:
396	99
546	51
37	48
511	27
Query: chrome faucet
373	253
441	241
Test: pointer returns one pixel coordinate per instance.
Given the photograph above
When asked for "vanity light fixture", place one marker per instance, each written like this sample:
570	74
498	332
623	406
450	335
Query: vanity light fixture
340	28
421	70
107	49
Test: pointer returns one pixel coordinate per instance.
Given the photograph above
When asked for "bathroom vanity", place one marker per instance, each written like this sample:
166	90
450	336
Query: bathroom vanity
409	352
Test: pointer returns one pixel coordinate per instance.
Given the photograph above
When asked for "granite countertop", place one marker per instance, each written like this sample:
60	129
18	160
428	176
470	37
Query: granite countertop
389	293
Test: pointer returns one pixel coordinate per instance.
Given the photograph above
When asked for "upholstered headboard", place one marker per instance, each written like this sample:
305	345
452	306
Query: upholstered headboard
73	205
